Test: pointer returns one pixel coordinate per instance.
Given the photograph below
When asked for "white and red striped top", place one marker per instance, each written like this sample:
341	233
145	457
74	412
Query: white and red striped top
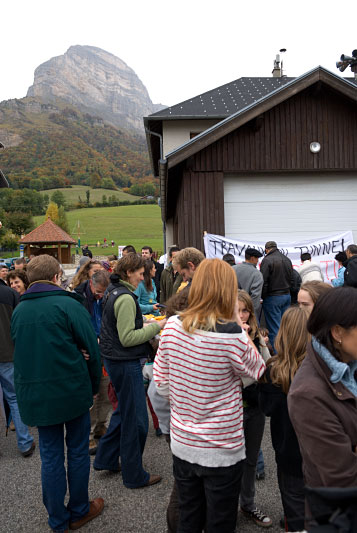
204	370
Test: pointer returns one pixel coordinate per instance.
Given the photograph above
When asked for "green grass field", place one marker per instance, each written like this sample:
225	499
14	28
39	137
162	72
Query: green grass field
138	225
71	194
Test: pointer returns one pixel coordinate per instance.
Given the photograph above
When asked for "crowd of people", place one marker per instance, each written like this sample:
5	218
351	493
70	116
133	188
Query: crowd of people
211	348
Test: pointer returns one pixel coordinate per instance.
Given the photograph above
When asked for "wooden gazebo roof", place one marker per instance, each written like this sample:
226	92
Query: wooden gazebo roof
47	233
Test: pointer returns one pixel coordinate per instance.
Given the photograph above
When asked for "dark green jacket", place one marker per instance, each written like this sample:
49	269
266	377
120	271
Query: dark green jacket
53	381
169	283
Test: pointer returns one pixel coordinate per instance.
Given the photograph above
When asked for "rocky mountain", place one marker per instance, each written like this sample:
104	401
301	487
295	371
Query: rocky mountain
95	81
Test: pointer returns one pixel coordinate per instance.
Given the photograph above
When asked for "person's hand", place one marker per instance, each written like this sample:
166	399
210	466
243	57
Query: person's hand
85	354
162	323
246	327
155	307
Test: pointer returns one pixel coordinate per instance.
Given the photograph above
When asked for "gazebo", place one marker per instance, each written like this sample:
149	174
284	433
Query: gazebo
48	238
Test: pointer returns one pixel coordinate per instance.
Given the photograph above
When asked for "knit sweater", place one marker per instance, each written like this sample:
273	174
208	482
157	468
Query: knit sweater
204	371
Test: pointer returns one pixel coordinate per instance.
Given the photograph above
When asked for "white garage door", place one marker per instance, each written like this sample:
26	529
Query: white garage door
288	208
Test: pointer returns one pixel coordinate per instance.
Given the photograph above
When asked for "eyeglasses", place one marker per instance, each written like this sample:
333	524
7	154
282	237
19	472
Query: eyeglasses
98	293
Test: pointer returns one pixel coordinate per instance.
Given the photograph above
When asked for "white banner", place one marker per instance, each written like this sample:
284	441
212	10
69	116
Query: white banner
322	250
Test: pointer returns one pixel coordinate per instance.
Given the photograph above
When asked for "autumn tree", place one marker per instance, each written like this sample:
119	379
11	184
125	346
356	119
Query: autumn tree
52	212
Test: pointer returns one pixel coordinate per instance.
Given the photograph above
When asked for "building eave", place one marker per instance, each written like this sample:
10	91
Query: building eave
255	109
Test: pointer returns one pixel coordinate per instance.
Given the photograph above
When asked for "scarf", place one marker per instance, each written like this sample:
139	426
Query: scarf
341	372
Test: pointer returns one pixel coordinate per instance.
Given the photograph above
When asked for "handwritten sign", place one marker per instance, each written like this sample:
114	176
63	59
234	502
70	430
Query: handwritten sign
322	250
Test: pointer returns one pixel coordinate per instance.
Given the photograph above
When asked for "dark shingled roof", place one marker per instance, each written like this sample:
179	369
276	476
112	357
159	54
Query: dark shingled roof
47	232
224	100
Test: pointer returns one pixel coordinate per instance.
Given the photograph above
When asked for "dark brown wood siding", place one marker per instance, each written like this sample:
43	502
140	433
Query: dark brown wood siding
279	140
199	208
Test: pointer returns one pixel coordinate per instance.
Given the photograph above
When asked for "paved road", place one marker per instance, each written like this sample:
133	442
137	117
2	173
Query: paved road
126	511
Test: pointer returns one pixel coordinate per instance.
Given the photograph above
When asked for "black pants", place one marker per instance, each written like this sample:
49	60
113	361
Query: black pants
293	499
208	497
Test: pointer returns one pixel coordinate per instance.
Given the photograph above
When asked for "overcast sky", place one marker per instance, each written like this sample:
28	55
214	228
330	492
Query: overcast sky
178	49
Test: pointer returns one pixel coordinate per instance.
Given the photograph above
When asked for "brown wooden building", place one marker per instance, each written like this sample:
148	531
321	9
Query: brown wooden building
282	166
48	238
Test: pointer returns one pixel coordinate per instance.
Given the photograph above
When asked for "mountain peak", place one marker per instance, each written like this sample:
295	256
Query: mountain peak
94	81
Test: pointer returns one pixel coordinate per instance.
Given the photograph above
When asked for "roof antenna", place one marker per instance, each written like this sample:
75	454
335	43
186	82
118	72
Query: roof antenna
278	65
348	61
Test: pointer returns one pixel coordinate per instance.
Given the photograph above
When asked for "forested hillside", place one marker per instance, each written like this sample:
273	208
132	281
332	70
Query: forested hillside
55	145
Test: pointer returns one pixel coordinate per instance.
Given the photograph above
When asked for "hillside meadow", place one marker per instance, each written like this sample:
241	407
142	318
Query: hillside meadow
138	225
73	193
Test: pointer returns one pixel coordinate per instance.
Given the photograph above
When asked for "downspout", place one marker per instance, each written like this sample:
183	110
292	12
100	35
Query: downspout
163	181
162	177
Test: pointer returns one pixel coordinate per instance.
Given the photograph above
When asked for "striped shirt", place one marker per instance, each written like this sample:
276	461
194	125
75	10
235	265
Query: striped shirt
204	370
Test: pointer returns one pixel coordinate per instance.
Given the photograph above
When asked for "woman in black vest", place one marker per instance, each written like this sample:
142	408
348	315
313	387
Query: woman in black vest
123	342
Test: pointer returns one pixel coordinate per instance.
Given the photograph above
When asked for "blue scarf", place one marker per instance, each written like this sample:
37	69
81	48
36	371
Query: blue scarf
341	372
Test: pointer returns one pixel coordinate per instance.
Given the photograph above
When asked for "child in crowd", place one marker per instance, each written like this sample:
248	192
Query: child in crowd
253	416
290	345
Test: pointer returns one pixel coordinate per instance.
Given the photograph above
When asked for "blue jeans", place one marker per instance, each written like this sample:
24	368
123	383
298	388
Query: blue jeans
274	307
260	463
24	439
128	428
53	473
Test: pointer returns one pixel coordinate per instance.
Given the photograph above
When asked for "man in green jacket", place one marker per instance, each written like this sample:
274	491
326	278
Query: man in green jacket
57	371
170	279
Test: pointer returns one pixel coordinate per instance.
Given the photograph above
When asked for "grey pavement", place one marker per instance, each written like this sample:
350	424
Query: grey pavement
126	510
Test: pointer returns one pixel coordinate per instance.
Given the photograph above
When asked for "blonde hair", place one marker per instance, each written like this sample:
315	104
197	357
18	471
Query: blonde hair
290	345
244	297
187	255
212	297
315	289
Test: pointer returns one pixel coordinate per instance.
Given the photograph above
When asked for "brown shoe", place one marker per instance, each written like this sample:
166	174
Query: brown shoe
100	433
30	451
93	446
95	508
153	479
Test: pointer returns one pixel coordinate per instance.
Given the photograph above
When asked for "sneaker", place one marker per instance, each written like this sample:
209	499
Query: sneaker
158	432
95	508
259	476
258	517
30	451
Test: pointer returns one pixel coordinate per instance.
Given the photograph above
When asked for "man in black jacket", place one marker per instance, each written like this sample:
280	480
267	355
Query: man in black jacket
351	266
278	278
